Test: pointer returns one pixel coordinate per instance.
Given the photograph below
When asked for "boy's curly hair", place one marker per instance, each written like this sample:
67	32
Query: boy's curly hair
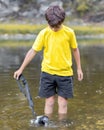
55	15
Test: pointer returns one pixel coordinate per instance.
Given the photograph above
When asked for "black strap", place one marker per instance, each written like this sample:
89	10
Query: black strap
24	88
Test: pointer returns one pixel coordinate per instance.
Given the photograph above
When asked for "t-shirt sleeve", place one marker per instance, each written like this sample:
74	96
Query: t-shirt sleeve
73	41
39	42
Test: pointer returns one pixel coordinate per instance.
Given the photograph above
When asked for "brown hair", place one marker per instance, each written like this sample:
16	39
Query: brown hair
55	16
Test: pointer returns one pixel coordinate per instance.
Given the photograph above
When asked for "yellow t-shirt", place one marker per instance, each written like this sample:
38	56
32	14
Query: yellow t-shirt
57	58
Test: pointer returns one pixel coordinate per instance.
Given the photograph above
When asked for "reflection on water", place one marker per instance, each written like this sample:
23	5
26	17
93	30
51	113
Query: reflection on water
85	110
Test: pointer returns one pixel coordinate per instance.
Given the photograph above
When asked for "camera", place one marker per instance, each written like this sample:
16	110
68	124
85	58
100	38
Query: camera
40	121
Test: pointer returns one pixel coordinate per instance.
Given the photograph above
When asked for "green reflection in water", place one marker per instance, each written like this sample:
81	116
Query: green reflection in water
86	109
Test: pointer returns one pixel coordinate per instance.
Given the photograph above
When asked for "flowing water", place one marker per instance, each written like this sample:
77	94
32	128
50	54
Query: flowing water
85	110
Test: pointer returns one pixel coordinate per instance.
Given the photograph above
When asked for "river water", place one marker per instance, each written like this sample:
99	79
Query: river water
85	110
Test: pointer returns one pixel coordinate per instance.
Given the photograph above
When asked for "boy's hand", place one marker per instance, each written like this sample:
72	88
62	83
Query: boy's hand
80	74
17	74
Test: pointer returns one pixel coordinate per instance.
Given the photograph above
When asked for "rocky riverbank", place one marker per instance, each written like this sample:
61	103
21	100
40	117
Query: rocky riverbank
23	19
32	11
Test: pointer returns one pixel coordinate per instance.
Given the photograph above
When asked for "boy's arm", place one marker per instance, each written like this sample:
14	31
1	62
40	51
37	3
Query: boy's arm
29	56
76	54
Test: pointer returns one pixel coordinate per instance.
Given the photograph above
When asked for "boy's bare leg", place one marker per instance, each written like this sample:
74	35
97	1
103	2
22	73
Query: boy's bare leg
49	104
62	103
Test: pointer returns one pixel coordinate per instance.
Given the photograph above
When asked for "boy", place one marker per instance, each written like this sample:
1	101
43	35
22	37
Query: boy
56	40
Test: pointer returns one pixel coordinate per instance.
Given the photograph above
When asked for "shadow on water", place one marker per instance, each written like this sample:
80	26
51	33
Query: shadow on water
85	110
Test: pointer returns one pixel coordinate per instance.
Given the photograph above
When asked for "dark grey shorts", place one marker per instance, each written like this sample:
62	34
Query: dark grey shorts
53	84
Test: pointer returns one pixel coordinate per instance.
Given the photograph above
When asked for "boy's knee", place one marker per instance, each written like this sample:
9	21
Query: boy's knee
50	102
62	105
62	102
